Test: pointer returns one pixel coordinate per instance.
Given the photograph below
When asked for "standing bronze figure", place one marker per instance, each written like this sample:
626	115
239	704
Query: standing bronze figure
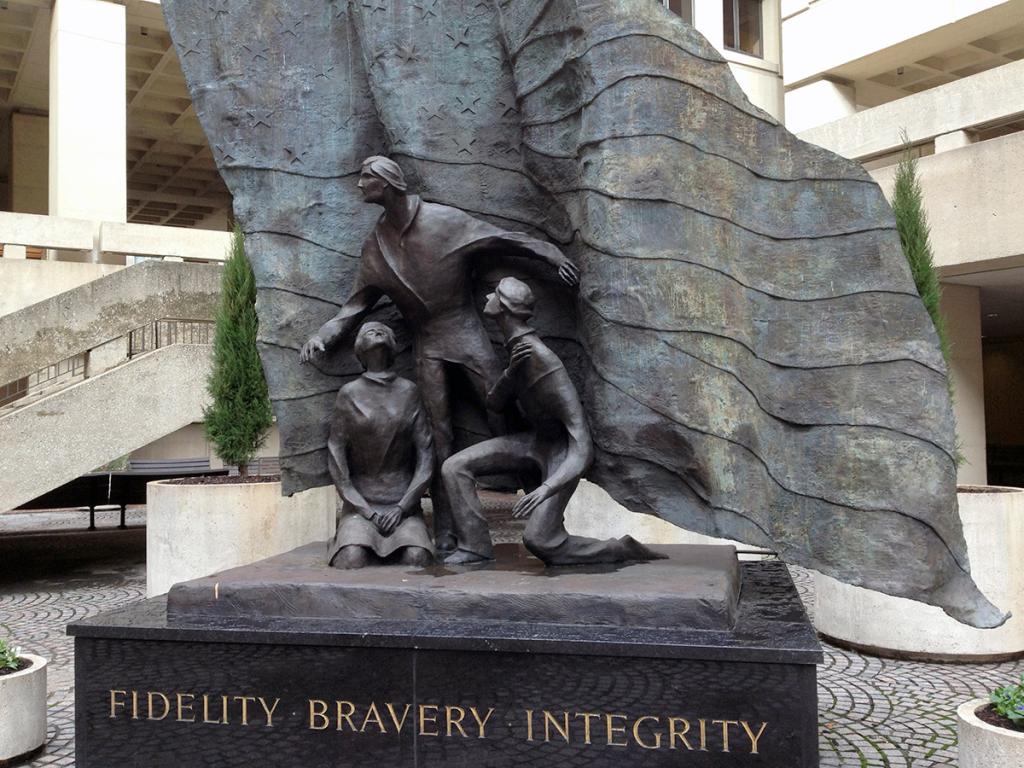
381	458
420	256
558	447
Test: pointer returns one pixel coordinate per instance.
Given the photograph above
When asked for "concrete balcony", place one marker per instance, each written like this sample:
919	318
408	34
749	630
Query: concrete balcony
973	200
75	252
859	39
985	99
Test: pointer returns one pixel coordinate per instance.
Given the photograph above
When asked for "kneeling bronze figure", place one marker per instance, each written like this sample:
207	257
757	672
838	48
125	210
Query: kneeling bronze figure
381	459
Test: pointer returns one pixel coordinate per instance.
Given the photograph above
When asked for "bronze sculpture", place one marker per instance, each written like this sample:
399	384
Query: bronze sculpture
381	459
557	446
420	256
754	358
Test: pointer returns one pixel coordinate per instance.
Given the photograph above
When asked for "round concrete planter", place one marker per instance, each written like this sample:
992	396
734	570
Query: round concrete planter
986	746
993	521
196	530
23	710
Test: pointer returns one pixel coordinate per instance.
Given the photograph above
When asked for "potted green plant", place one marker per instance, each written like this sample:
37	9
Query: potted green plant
992	730
199	526
22	703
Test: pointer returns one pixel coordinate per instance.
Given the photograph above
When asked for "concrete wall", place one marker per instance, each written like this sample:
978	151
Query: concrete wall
97	312
961	306
190	443
151	240
1004	391
760	78
973	200
28	282
100	419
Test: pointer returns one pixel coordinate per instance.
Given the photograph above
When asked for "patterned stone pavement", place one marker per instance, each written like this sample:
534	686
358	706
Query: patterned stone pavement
873	712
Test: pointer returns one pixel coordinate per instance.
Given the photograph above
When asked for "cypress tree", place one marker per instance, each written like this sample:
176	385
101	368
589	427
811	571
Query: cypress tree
912	223
239	417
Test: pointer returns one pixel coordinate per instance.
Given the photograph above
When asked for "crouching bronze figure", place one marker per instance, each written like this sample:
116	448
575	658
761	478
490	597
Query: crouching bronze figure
558	448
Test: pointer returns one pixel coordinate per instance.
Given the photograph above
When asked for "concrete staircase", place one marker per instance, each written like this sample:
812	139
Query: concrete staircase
57	437
100	371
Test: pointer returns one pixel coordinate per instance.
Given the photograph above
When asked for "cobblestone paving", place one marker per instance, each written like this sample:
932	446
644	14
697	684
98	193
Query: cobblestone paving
873	712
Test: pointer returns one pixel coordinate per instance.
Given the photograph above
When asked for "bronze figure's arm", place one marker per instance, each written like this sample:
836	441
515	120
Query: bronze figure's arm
424	471
337	463
504	388
559	398
339	326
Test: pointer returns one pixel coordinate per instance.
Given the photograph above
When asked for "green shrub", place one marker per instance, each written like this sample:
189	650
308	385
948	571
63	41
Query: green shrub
239	417
1008	702
912	223
9	655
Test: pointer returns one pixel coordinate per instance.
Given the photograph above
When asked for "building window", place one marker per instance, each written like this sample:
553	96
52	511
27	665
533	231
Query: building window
743	28
681	8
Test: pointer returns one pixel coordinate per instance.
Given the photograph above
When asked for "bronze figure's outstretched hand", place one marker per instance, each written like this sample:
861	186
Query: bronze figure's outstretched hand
311	349
525	506
569	273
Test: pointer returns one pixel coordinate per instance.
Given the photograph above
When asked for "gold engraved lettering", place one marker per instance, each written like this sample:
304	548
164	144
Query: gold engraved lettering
750	734
529	724
481	724
394	718
587	717
149	705
703	735
269	711
345	711
613	730
673	734
562	729
657	734
206	711
135	705
454	722
245	707
725	731
432	719
182	706
373	716
114	703
224	709
318	714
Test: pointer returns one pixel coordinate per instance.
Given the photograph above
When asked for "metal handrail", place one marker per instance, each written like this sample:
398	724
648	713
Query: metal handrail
147	338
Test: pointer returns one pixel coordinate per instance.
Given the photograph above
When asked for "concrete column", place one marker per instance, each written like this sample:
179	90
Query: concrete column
954	140
961	306
88	134
819	102
29	164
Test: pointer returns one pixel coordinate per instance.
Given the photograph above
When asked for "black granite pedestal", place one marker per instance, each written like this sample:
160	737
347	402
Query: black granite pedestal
696	660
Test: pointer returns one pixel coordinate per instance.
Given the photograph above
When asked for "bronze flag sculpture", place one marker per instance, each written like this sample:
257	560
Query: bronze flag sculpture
747	341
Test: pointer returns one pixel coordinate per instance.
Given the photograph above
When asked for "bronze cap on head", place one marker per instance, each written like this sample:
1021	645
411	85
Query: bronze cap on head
515	296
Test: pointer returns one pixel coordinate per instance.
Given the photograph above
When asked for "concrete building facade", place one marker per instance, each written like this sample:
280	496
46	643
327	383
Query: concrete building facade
948	75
